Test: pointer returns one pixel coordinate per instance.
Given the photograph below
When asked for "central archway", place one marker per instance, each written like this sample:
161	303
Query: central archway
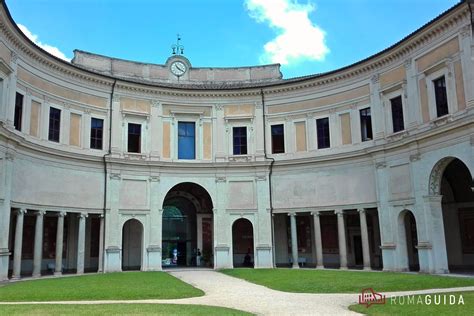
187	227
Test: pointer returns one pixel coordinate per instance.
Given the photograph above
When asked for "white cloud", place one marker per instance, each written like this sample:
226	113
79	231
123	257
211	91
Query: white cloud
298	37
50	49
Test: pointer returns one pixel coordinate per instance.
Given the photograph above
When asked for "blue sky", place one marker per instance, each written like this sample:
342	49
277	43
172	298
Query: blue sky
306	37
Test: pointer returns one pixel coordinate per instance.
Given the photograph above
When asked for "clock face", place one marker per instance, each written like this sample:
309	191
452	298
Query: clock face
178	68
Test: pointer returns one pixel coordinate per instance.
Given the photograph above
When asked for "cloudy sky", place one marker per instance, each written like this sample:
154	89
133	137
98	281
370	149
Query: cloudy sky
304	36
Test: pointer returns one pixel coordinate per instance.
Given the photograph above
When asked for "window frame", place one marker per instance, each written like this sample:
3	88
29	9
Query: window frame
184	121
360	125
22	112
103	133
392	117
328	131
271	138
436	94
246	134
140	147
60	121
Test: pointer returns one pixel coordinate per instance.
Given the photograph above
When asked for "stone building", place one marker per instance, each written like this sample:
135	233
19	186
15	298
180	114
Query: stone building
110	165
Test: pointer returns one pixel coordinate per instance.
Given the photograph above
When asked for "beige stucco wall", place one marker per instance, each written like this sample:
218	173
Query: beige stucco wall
241	109
425	114
393	76
5	53
34	118
135	105
459	85
57	90
166	140
300	128
438	54
207	140
75	130
345	96
346	128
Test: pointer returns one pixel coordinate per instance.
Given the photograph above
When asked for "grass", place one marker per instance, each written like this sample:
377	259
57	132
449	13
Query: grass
335	281
396	308
110	286
117	309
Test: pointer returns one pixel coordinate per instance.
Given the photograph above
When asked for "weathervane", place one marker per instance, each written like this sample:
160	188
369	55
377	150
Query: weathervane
177	48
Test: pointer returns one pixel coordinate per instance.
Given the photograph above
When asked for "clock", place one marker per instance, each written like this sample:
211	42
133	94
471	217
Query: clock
178	68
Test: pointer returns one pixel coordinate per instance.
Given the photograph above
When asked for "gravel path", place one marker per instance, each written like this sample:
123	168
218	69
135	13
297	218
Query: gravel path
226	291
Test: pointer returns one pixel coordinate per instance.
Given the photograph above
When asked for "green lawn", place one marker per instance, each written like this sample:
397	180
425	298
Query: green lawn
396	308
336	281
109	286
117	309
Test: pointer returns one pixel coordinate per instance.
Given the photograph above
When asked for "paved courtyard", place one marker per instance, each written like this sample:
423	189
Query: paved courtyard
226	291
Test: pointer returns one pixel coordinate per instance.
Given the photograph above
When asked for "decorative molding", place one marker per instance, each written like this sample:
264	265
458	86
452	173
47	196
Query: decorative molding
154	178
437	174
407	63
115	98
82	215
339	212
465	31
380	165
219	107
155	103
388	246
21	211
261	178
221	179
424	245
375	78
9	156
40	213
415	157
115	176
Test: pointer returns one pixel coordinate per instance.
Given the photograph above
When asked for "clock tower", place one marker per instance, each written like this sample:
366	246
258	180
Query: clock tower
177	64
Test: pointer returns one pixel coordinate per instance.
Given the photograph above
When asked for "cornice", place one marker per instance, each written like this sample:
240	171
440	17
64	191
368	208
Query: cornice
454	17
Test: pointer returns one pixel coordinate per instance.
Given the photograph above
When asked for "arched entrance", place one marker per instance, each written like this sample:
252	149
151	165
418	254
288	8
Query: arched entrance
132	240
408	223
458	214
187	227
242	243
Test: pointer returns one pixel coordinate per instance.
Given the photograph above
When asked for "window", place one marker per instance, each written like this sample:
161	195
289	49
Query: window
18	111
240	140
134	138
397	114
186	140
54	124
322	127
278	139
365	124
440	96
97	132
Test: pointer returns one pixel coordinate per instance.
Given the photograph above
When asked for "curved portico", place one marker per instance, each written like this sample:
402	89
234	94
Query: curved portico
337	170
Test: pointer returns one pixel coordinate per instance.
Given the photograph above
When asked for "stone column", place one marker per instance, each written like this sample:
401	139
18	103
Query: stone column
38	249
294	241
18	244
365	238
58	267
101	244
81	238
319	241
341	232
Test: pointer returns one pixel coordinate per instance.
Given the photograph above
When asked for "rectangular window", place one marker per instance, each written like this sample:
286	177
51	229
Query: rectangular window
322	127
186	140
54	124
397	114
97	133
278	139
134	137
365	124
18	111
240	140
441	96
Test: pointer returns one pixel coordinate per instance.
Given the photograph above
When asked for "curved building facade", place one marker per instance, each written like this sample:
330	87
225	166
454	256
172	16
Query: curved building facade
111	165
